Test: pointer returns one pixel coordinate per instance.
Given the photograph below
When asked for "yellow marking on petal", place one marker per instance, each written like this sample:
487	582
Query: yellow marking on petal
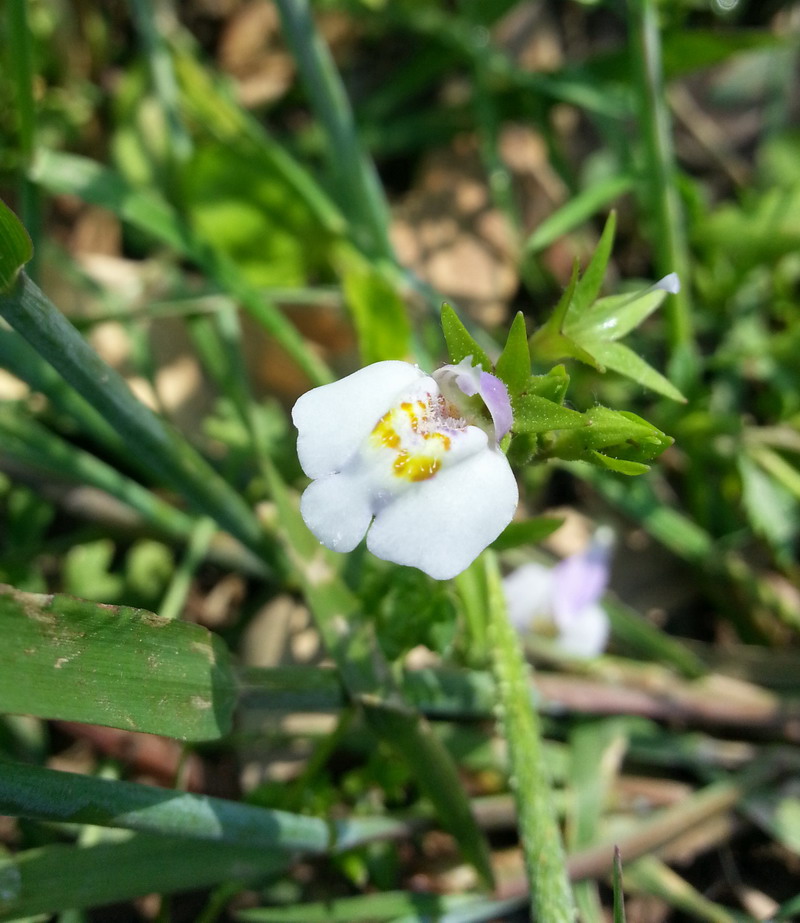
415	467
409	430
438	437
385	434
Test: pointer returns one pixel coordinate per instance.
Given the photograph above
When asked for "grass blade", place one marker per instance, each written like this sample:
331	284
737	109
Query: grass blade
49	795
33	445
354	173
76	660
44	881
149	438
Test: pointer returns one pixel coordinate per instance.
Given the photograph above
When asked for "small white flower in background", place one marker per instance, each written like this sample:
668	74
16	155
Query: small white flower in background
563	601
394	445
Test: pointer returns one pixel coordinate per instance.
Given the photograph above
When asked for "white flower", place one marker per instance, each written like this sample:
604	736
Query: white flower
563	600
387	444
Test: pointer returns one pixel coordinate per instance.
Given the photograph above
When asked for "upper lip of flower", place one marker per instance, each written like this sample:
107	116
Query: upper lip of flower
385	442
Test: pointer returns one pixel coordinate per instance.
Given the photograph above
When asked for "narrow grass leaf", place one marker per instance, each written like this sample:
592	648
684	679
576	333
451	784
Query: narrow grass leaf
49	795
59	877
652	876
96	184
75	660
394	906
578	210
354	174
16	248
167	454
148	211
596	748
21	359
38	448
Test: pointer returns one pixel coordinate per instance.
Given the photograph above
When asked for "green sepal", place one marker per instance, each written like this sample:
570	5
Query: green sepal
619	465
613	439
620	427
553	385
534	414
460	342
514	365
16	248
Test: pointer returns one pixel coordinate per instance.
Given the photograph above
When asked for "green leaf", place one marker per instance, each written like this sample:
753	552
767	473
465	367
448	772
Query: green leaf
619	358
16	248
67	797
588	287
460	342
57	877
616	315
530	532
534	414
379	313
74	660
514	364
555	322
253	217
576	211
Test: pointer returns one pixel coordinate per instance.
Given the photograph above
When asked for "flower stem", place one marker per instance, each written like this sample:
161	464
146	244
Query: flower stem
551	896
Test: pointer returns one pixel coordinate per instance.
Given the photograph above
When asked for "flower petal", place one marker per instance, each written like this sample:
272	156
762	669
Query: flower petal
338	510
581	579
529	595
585	634
444	523
333	420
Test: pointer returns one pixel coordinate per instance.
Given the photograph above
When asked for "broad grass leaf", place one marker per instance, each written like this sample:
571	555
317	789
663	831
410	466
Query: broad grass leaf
77	660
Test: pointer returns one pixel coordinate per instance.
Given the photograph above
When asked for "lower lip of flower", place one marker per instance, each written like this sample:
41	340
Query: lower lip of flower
418	436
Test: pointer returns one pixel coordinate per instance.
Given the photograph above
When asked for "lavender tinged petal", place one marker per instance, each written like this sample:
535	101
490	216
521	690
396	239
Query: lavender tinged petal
495	396
580	580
